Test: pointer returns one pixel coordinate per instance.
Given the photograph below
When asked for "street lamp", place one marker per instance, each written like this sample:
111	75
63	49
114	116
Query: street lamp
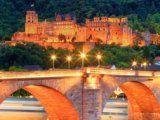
53	57
99	57
144	65
83	56
134	64
69	58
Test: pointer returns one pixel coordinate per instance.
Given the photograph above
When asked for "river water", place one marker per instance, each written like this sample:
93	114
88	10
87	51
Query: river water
22	109
31	109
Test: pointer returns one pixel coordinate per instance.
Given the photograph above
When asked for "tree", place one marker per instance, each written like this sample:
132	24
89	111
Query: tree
15	68
138	39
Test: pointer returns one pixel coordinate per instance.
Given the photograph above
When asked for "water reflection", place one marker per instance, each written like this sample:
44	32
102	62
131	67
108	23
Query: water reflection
22	109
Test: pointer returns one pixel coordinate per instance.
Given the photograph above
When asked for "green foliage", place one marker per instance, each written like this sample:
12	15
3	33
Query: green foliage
20	55
115	55
13	58
21	93
15	68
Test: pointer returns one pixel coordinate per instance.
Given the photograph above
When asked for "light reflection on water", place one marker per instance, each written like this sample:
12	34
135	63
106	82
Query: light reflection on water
22	109
31	109
115	110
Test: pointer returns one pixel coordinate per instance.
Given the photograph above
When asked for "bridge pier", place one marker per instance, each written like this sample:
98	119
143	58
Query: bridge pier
91	104
92	99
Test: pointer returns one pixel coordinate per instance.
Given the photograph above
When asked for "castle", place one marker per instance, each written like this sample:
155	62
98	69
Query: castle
65	30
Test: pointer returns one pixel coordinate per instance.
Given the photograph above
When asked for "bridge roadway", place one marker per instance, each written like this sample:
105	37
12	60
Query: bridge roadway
45	74
82	94
60	73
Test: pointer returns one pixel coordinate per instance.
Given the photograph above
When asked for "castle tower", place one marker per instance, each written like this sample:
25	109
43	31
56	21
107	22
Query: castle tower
127	32
31	22
68	17
96	19
58	18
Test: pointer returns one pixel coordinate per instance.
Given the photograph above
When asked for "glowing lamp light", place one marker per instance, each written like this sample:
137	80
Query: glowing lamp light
53	57
134	63
144	64
83	55
69	58
99	56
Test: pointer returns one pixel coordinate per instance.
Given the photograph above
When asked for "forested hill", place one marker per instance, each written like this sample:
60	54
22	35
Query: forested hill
144	15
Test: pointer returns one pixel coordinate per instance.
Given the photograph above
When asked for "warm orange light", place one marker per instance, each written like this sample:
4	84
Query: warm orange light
83	55
145	64
92	83
99	56
53	57
69	58
134	63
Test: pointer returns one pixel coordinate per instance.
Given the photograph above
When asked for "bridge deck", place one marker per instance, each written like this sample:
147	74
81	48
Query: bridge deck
74	73
40	74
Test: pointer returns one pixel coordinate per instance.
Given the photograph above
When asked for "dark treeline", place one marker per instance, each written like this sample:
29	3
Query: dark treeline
144	15
13	58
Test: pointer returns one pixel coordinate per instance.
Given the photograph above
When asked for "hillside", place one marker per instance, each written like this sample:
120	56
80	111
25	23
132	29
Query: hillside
144	15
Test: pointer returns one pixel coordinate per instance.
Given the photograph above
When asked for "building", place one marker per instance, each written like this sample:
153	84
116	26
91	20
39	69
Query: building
64	30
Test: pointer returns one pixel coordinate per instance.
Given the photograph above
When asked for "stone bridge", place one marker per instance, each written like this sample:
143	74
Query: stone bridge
81	94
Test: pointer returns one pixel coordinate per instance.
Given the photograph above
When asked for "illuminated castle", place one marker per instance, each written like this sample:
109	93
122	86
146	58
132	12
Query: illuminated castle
65	30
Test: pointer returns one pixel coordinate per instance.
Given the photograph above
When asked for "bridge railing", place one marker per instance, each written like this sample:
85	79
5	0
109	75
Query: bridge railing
118	72
157	74
40	74
94	70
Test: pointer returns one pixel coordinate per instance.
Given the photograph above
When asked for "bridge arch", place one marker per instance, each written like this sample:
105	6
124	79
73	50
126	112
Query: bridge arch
143	104
57	105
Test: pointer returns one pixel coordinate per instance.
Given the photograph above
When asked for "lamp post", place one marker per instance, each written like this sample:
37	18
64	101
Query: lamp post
53	57
99	57
69	58
144	65
83	56
134	64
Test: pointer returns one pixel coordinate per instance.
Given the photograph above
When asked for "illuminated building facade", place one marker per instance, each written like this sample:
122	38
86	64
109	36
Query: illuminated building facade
65	30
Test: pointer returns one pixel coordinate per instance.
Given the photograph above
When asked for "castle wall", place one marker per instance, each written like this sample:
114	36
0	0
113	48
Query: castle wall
97	30
102	30
81	35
